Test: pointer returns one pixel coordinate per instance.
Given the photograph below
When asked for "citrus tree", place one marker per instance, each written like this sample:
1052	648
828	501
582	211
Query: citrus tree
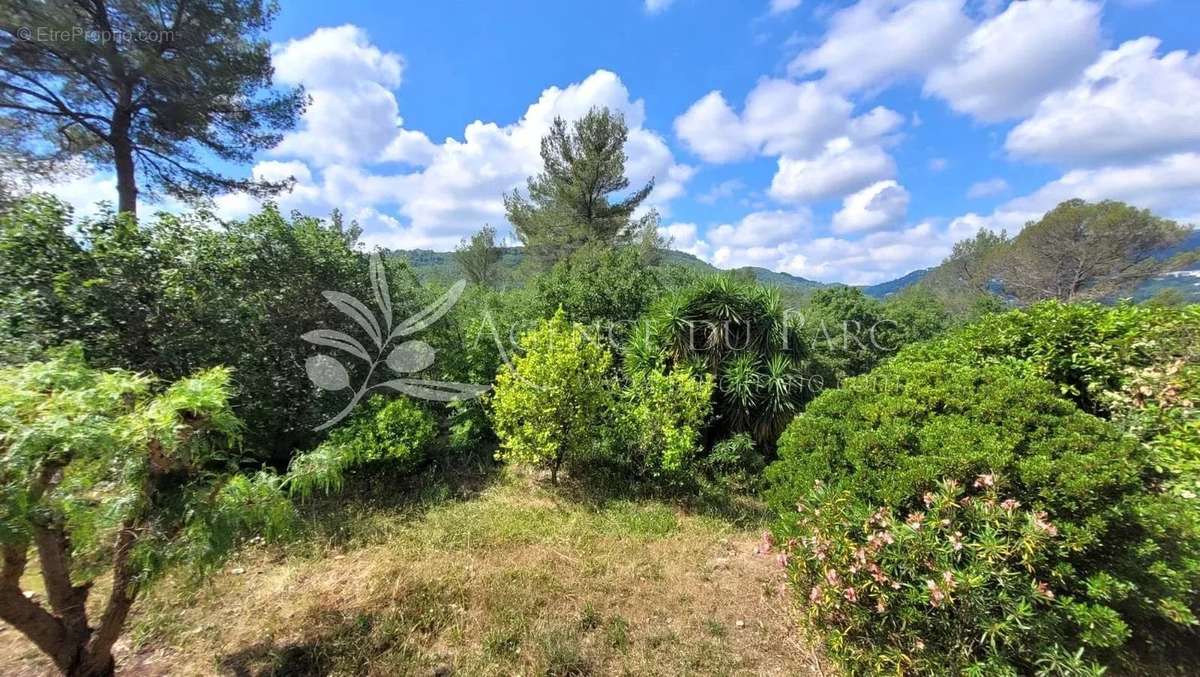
552	401
105	470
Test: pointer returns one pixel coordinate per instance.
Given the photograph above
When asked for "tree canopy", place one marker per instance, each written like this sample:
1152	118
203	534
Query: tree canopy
154	89
572	202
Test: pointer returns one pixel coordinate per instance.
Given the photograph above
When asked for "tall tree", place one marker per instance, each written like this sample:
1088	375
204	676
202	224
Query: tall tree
1083	251
571	202
152	88
477	256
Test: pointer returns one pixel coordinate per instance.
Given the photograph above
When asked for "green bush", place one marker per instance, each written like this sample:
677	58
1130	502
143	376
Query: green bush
1131	553
397	432
962	584
736	331
1085	349
736	457
661	417
553	403
604	288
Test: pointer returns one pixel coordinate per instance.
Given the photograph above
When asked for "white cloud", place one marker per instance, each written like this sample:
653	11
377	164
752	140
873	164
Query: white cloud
781	6
1169	187
353	115
1128	106
1009	62
685	237
778	117
987	188
721	191
877	206
840	169
875	42
455	186
762	229
656	6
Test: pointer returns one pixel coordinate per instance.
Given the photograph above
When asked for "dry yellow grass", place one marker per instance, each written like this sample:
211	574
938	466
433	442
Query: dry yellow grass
518	578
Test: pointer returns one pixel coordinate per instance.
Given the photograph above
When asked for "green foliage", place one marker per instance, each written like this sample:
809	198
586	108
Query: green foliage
1085	251
735	457
967	582
396	431
477	257
892	435
601	287
737	332
569	202
194	85
553	402
102	470
661	417
184	293
848	332
1085	349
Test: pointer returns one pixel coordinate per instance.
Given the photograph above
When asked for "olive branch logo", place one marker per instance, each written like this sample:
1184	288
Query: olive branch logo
407	358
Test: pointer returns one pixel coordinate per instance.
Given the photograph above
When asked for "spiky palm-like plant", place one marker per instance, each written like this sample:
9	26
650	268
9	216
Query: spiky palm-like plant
736	331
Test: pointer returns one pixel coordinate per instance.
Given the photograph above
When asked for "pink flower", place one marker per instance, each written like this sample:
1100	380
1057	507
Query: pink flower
880	607
850	595
815	594
928	498
1010	504
1042	524
767	541
914	520
832	577
948	579
956	540
983	481
782	559
920	645
1044	590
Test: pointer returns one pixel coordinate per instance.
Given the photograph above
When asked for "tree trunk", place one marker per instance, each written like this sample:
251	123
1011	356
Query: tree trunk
126	180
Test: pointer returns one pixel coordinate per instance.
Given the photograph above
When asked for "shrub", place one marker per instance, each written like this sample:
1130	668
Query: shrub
662	415
964	584
1085	349
554	402
1131	553
735	457
603	288
737	332
397	432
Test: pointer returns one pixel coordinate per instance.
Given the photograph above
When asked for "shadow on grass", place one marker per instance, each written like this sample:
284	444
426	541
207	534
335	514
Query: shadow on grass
602	483
378	498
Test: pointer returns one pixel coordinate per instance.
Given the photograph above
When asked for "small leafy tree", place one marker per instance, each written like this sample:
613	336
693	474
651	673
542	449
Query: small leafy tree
662	416
97	471
554	400
477	257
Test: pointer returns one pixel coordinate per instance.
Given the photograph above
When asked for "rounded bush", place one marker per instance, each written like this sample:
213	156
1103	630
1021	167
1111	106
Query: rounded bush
1129	554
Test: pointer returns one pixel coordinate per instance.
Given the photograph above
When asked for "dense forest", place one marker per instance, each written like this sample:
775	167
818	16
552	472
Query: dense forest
258	446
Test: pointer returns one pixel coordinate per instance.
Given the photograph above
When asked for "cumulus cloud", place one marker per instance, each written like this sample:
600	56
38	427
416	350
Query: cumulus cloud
453	187
782	6
840	169
721	191
778	117
1009	62
1168	186
1128	106
656	6
877	206
353	114
875	42
685	237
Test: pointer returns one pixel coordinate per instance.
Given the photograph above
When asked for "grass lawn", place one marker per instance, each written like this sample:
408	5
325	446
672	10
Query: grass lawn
483	575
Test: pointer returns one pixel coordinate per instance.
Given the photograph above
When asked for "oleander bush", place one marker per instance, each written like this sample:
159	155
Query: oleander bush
964	583
1129	560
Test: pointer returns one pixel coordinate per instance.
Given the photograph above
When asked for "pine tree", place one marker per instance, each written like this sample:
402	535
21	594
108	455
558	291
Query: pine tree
572	203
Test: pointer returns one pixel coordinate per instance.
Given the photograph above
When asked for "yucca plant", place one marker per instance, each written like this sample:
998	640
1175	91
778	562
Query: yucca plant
736	331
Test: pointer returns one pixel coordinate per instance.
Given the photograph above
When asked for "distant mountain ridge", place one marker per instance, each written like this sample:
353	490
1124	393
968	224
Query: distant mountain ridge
441	266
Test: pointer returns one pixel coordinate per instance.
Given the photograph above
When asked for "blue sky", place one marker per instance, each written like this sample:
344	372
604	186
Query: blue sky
840	141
